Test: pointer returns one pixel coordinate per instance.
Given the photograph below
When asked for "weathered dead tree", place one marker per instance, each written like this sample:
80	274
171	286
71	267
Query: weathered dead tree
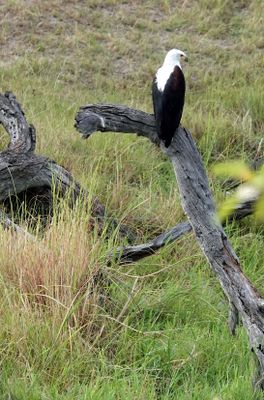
198	204
25	175
22	170
88	120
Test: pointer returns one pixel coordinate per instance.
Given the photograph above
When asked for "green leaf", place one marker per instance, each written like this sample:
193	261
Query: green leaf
227	208
237	169
259	209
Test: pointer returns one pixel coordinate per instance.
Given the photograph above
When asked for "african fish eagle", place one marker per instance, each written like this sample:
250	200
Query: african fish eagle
168	91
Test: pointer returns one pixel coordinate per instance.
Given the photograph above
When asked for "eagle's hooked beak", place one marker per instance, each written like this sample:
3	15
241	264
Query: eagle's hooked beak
184	57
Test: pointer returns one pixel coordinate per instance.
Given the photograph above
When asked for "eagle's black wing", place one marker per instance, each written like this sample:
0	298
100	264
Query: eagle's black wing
168	105
157	105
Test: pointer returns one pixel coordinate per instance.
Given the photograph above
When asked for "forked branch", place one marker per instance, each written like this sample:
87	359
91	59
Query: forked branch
198	204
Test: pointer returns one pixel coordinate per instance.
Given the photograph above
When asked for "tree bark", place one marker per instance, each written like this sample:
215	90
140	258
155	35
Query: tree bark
24	173
21	169
198	204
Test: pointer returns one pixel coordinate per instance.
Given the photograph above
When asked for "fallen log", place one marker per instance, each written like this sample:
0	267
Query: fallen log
26	175
197	202
21	169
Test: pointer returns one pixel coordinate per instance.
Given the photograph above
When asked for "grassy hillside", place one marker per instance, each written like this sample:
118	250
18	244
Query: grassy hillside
61	337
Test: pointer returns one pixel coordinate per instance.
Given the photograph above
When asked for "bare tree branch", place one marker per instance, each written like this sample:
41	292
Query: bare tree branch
199	207
130	254
108	117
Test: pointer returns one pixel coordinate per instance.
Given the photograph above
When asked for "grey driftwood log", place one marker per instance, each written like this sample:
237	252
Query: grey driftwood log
24	172
198	204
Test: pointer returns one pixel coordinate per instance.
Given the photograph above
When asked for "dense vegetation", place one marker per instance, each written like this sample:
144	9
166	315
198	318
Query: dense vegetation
61	337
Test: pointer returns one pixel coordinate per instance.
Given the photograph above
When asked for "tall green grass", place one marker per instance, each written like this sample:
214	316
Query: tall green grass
72	326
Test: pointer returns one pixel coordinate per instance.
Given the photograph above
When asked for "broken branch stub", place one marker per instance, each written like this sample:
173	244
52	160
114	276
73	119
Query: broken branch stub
22	135
199	207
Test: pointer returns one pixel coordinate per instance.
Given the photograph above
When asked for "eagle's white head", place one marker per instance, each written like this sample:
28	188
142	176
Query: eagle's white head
174	57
